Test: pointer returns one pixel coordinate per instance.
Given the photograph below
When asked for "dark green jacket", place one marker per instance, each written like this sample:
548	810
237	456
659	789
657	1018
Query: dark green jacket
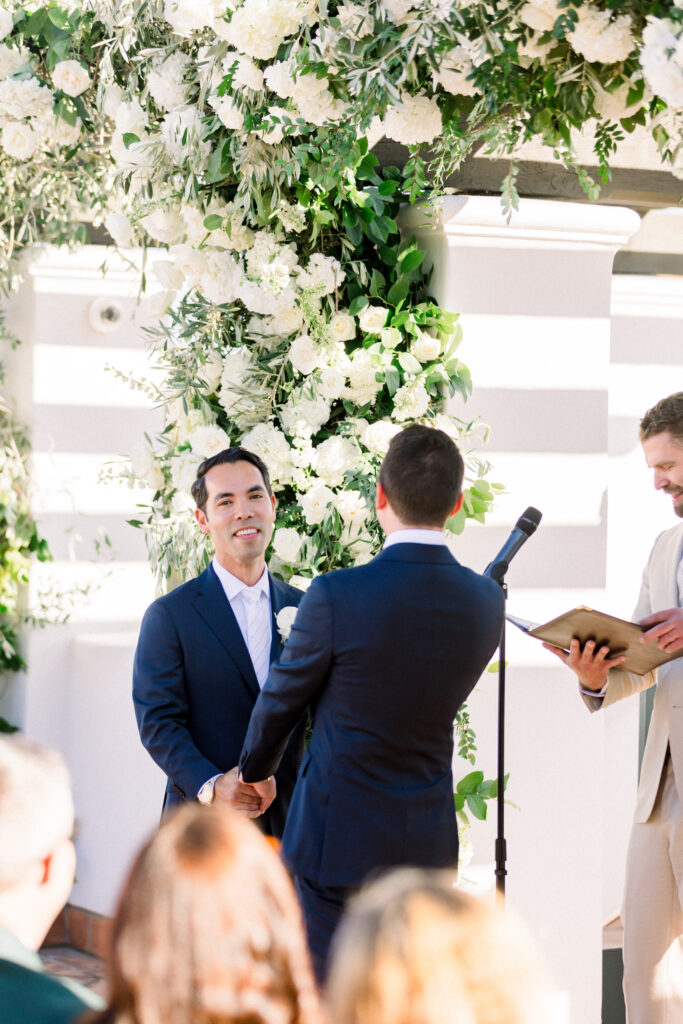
30	996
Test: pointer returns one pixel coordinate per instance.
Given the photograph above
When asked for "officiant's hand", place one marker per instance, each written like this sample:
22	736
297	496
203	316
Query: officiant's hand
267	791
666	628
589	664
231	791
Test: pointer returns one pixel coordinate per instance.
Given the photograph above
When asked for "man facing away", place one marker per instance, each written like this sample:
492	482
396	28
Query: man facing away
653	895
384	655
37	861
205	648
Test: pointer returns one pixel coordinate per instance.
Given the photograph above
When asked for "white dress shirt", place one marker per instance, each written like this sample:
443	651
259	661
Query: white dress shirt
414	535
234	590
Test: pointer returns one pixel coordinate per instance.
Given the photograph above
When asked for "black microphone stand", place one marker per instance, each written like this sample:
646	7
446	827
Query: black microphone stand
497	573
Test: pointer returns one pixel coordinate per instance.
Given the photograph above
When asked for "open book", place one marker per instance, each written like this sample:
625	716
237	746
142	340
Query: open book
621	636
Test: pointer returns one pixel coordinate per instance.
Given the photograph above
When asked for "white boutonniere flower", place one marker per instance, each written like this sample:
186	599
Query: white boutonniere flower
285	620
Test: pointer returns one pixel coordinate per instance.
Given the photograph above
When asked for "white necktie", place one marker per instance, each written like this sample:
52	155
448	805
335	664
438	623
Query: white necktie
258	633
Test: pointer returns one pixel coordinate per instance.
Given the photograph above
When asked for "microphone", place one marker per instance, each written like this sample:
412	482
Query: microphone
524	527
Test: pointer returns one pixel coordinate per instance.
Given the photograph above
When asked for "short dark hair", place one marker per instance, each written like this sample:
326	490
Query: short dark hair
422	475
229	455
666	415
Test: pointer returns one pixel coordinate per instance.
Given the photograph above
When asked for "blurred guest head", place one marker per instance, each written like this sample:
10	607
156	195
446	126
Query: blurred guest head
37	857
415	950
208	930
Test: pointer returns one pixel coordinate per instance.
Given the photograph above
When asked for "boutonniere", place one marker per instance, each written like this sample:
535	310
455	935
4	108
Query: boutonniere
285	620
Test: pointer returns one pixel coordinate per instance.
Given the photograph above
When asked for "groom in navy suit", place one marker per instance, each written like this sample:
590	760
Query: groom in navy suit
384	655
205	648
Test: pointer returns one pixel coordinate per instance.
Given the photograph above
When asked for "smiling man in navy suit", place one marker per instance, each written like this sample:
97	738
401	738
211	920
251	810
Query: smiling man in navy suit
205	648
384	655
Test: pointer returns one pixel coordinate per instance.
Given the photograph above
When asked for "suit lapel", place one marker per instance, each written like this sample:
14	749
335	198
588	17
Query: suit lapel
277	603
214	607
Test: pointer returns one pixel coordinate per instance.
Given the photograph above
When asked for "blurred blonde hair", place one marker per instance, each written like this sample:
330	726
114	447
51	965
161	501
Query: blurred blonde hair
36	807
208	930
415	950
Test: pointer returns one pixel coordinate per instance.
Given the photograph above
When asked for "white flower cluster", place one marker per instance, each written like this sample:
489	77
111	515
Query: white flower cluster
600	37
28	124
661	58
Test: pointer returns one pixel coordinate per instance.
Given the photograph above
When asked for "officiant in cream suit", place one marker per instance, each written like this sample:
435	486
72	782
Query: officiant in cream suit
653	897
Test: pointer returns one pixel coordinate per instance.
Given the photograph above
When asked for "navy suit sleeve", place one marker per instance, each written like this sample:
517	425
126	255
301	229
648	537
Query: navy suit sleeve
292	685
161	704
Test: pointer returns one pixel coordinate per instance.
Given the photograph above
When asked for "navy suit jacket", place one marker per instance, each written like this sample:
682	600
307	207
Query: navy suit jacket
384	655
194	689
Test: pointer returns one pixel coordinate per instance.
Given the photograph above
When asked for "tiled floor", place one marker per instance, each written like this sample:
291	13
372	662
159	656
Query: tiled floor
84	968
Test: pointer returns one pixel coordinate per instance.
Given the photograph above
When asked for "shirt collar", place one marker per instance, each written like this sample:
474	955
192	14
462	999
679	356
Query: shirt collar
415	535
232	586
16	952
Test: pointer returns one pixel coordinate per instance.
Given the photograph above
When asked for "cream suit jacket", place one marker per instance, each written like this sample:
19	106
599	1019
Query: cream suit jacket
658	592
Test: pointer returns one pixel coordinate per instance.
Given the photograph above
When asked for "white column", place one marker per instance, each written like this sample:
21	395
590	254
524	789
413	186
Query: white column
75	323
534	296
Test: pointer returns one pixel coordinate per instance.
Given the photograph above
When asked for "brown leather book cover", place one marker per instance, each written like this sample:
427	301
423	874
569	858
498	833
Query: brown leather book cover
621	636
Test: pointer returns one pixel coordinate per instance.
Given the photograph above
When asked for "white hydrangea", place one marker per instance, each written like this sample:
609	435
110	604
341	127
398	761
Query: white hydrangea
291	216
452	73
19	140
6	22
219	282
411	401
599	37
259	26
270	444
192	263
165	226
181	134
372	319
188	16
330	383
227	112
207	441
323	274
12	58
184	471
287	544
167	274
397	10
661	59
130	118
415	121
362	374
540	16
71	77
303	415
165	81
333	458
378	435
315	503
245	74
21	98
304	354
612	105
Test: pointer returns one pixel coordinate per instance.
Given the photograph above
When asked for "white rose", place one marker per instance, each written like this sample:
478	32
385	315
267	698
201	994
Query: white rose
167	274
425	347
351	506
287	544
6	22
71	77
304	354
343	327
378	436
301	582
372	319
285	620
208	441
146	467
19	140
315	503
356	538
212	370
